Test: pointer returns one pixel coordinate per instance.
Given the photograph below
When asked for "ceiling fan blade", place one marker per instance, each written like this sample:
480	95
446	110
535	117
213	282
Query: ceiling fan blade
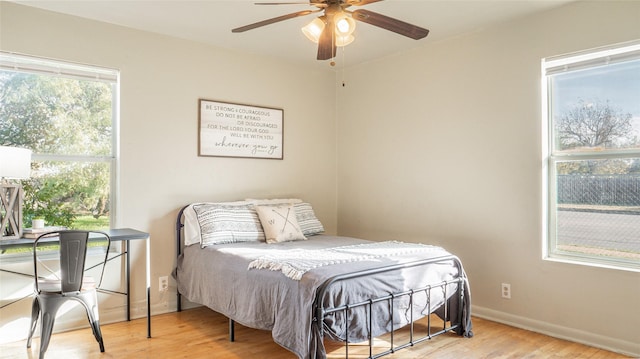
389	23
361	2
326	44
273	20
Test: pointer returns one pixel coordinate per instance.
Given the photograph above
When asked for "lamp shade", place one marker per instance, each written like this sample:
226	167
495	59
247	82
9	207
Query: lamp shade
15	162
314	29
345	25
344	40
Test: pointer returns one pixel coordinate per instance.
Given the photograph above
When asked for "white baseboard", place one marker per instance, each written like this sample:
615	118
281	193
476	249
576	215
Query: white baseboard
560	332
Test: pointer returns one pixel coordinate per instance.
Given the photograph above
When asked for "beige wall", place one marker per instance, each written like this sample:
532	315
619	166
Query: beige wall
442	145
162	79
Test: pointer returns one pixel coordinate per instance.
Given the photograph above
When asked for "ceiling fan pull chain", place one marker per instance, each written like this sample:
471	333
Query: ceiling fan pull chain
344	63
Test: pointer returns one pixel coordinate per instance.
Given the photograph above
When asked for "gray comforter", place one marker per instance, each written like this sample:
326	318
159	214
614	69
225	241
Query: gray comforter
218	277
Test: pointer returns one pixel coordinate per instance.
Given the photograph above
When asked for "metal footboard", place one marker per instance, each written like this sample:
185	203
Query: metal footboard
320	312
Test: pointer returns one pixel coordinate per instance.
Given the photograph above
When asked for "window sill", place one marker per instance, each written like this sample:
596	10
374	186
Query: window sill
629	265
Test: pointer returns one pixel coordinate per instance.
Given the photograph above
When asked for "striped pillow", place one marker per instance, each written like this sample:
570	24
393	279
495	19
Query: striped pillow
222	223
307	220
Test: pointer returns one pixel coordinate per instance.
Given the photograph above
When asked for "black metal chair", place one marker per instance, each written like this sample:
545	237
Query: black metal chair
71	283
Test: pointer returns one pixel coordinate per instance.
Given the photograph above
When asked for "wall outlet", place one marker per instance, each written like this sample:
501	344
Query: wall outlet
506	290
163	284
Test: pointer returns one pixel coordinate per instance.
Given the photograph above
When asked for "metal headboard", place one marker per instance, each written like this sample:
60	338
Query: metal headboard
179	243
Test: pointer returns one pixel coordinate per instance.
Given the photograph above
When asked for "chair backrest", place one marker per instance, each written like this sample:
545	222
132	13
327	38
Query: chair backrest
73	254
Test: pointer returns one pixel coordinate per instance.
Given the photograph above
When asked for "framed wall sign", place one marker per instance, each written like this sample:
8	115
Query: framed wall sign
235	130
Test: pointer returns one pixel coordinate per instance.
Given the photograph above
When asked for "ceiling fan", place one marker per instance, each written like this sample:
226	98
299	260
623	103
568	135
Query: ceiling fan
335	26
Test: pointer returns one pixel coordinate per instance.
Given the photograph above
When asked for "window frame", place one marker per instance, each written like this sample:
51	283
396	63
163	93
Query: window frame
10	61
551	157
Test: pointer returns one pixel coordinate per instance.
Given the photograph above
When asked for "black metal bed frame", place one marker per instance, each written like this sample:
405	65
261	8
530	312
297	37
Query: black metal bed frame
319	312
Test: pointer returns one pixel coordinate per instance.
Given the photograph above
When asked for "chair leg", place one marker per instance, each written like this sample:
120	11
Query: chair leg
90	303
47	327
35	313
49	306
95	325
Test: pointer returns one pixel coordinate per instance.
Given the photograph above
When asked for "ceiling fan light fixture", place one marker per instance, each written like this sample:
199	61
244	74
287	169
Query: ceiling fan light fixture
344	40
345	25
313	30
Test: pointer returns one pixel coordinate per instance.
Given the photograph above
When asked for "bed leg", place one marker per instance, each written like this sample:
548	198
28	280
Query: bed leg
232	332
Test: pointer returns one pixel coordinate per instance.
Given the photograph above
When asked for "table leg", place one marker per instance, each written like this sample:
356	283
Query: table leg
128	249
148	270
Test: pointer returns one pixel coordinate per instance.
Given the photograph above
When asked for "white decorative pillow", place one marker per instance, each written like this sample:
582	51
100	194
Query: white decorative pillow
191	226
309	223
279	223
228	223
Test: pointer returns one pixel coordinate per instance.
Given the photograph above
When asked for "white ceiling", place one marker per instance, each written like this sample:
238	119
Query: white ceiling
211	21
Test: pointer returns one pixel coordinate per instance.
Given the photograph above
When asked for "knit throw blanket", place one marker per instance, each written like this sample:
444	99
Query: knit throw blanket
296	262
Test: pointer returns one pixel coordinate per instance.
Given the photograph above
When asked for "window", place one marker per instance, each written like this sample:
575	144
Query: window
67	115
592	157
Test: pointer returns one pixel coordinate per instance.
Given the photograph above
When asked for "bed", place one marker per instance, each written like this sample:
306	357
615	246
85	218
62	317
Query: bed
240	260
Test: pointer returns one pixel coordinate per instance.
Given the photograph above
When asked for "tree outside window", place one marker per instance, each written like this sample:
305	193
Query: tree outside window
68	123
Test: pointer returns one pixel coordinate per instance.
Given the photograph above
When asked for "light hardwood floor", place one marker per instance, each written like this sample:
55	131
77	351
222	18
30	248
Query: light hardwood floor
202	333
